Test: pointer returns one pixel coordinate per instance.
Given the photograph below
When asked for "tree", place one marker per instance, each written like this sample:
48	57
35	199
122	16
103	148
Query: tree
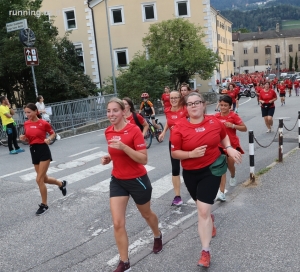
296	62
177	45
243	30
59	75
141	76
290	63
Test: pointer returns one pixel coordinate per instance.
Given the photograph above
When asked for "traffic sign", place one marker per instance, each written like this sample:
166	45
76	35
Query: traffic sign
17	25
31	56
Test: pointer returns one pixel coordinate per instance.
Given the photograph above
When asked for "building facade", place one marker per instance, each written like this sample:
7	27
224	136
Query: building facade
128	22
265	51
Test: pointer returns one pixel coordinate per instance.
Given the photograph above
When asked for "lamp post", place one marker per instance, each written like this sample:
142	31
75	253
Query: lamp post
110	49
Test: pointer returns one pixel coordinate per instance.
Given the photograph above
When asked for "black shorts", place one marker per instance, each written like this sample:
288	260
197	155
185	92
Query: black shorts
202	184
282	95
139	189
239	96
267	111
40	152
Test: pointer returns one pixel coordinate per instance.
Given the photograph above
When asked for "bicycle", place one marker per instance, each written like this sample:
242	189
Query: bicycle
152	131
3	137
21	131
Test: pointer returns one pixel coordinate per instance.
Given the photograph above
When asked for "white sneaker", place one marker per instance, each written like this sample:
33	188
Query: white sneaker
232	182
269	130
221	197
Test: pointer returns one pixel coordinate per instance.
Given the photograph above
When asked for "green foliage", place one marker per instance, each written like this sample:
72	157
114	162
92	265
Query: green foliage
296	62
290	63
243	30
177	45
264	17
143	76
59	75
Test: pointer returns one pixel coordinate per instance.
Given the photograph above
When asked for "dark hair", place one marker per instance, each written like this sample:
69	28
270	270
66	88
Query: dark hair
39	98
130	103
2	98
185	85
233	85
33	107
226	99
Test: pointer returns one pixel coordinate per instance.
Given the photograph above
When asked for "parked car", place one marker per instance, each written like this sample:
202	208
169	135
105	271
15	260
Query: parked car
271	76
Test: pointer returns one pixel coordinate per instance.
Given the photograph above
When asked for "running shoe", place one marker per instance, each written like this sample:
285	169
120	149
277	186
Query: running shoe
158	246
221	196
123	267
20	150
204	259
236	111
232	181
42	209
268	131
177	201
63	188
13	152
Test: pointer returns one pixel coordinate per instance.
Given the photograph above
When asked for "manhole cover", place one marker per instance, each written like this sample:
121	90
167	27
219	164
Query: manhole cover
70	164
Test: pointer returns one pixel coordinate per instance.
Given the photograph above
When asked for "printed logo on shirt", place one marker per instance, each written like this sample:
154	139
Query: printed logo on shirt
141	145
211	121
125	132
33	127
117	138
200	129
174	116
40	124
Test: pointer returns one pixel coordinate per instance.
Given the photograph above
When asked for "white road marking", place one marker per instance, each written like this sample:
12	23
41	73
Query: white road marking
83	152
103	186
162	186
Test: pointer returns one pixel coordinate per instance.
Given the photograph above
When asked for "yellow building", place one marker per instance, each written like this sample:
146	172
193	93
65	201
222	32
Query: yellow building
129	21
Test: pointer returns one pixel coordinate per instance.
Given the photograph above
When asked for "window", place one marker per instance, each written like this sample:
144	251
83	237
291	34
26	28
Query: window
117	16
149	12
234	64
219	37
245	51
267	62
268	50
255	62
290	48
182	8
121	57
277	61
255	49
229	29
217	22
70	19
298	47
277	48
79	51
245	62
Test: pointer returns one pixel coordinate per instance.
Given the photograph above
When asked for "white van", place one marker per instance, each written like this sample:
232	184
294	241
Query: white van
283	74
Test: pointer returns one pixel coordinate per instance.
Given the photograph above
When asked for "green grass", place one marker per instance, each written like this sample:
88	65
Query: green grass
292	24
263	171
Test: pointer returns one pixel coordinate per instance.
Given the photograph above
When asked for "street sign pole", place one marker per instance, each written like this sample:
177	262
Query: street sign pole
34	81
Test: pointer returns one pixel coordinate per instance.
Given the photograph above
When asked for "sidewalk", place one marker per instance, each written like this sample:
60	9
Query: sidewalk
257	229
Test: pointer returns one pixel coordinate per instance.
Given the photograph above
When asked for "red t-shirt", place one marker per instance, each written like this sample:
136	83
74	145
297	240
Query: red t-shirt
35	132
267	96
296	83
231	132
233	94
166	99
130	119
187	136
173	117
123	166
258	89
281	88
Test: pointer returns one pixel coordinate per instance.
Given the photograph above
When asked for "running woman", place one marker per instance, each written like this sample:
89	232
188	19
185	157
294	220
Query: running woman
296	86
173	115
126	145
195	141
267	97
165	98
258	88
232	123
133	117
9	126
35	134
281	88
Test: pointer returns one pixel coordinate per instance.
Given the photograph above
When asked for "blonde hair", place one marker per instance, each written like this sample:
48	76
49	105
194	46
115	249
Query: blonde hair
118	101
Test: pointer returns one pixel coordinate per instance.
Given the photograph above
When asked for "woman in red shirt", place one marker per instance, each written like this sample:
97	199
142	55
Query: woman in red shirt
35	133
258	88
128	153
232	123
195	141
281	88
296	86
165	98
267	97
133	117
173	116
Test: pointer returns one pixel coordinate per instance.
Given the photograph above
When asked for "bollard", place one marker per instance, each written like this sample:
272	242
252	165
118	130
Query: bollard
251	156
299	128
280	140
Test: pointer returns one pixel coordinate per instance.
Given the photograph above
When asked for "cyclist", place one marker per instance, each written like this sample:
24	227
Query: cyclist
148	109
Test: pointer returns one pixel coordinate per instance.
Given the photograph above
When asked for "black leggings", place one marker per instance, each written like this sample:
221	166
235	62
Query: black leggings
175	164
12	134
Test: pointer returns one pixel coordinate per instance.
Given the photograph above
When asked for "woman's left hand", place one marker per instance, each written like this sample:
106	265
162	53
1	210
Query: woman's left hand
47	141
228	124
117	144
235	154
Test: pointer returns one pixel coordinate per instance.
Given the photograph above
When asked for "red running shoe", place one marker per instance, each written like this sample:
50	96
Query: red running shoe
204	259
123	267
157	247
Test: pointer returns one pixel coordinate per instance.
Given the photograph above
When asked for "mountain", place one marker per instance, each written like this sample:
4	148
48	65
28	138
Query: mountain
250	4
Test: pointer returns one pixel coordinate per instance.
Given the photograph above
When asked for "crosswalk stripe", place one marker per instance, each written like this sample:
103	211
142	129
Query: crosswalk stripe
67	165
162	186
103	186
85	151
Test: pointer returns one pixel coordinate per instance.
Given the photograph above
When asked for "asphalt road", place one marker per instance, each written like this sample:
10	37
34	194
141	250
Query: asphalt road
76	233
